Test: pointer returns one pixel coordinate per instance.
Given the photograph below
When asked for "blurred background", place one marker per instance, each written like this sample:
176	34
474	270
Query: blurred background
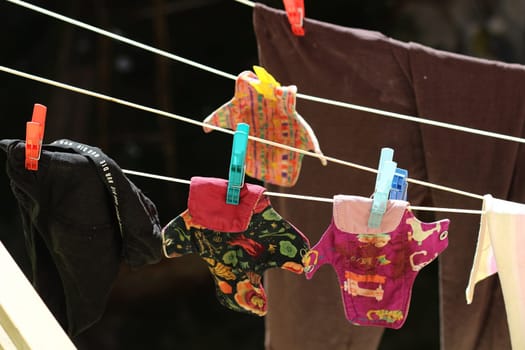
172	305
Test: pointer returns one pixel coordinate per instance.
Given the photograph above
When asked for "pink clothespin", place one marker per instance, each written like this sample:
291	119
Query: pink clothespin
295	12
34	136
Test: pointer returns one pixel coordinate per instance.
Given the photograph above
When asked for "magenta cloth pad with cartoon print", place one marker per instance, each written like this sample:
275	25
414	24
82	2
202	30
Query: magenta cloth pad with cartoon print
238	242
376	267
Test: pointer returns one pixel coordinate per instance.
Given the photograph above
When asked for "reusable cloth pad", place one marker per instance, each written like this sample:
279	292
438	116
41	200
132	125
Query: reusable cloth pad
271	116
238	242
500	241
376	267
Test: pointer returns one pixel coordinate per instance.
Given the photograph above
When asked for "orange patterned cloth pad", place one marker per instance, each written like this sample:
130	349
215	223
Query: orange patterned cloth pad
269	109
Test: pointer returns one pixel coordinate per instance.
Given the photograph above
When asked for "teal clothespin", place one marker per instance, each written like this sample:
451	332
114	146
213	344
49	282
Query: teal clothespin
384	178
237	166
399	185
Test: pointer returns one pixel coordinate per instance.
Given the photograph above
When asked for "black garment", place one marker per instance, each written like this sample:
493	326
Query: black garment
81	218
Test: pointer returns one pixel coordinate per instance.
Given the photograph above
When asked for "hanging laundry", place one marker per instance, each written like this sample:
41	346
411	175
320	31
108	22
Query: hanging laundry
499	250
81	217
370	69
376	267
269	109
238	242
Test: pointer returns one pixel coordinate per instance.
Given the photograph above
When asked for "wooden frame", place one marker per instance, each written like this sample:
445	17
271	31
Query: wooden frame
25	321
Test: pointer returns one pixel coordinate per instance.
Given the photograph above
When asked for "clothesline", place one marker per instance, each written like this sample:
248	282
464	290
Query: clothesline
227	131
246	2
303	197
233	77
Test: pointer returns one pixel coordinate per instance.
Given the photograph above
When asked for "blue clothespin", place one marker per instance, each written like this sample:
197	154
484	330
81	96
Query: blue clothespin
237	166
384	178
399	185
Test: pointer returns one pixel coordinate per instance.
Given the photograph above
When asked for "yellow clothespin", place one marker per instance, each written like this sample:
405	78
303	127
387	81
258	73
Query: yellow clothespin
266	84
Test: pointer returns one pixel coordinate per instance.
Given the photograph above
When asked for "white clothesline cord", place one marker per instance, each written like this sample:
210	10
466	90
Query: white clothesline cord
156	177
227	131
413	119
233	77
297	196
246	2
448	210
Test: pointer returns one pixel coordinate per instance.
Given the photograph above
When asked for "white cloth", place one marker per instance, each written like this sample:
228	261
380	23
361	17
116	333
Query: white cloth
500	246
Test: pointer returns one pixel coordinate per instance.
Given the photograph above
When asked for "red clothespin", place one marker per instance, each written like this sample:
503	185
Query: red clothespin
34	136
295	12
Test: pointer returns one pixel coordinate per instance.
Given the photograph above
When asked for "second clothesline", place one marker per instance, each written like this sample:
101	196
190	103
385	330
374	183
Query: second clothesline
301	197
224	130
